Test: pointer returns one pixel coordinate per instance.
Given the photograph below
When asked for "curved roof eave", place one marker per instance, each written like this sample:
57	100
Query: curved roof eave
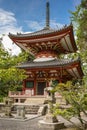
55	62
71	66
42	32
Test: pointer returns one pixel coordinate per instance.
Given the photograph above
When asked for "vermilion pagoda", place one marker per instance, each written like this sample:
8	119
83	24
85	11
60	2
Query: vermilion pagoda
46	46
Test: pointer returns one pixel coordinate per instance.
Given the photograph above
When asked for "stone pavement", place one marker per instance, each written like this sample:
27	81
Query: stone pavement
29	124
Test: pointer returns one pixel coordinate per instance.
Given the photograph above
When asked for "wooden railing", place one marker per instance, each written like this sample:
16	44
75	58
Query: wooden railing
19	94
30	93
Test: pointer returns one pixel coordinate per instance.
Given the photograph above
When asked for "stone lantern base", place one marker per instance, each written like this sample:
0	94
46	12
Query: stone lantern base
20	112
49	118
51	122
51	126
8	111
8	106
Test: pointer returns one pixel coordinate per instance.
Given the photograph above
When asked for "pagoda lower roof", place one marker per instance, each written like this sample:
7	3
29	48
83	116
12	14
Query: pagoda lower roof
69	65
45	64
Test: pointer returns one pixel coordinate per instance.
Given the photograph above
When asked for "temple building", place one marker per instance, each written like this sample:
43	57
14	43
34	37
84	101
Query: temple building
47	45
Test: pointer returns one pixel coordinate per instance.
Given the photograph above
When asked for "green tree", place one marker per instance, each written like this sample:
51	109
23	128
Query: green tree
76	95
76	92
79	20
10	77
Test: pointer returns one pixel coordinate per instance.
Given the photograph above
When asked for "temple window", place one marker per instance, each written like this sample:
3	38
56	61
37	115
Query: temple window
29	84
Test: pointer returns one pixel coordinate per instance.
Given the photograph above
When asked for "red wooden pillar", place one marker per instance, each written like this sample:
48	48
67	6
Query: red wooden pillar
47	84
24	85
61	73
35	85
60	80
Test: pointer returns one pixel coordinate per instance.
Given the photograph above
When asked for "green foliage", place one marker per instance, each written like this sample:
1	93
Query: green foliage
79	19
76	95
10	77
76	92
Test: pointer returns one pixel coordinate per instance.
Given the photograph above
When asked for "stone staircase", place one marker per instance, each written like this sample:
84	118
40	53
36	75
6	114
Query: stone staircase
29	108
32	104
36	100
36	104
32	109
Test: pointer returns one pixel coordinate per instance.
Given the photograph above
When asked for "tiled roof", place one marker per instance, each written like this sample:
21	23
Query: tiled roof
53	63
40	32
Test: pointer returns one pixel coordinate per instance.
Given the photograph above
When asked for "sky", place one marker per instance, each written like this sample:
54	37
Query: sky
29	15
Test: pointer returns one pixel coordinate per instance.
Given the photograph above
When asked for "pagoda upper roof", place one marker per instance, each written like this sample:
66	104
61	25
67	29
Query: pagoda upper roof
33	34
60	39
44	31
73	67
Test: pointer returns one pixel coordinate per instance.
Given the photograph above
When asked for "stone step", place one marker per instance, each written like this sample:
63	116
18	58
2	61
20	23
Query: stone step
32	109
35	100
29	109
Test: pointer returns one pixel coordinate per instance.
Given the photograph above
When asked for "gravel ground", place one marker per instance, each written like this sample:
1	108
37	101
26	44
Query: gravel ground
31	124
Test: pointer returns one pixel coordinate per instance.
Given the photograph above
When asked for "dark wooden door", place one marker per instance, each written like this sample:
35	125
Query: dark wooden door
40	88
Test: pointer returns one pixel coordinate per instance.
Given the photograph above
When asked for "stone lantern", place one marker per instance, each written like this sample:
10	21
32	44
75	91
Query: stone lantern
8	107
50	121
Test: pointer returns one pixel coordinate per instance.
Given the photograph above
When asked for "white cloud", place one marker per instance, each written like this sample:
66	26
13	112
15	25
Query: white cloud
35	25
11	29
6	18
56	25
10	47
76	2
8	23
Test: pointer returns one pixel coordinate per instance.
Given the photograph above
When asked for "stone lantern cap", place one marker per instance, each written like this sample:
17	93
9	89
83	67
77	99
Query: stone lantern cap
48	89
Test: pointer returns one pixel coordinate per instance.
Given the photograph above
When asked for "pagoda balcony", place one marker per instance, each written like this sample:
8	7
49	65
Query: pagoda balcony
23	94
18	94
